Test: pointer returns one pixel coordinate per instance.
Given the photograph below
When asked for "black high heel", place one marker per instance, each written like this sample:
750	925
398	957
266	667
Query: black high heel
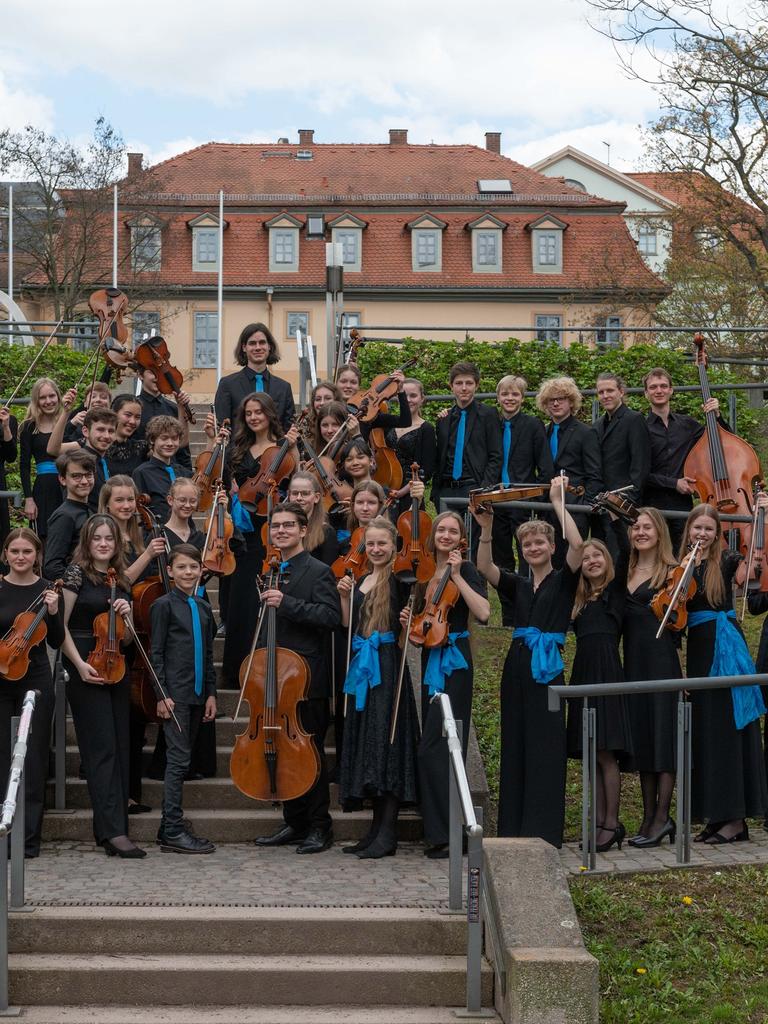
669	828
134	853
618	838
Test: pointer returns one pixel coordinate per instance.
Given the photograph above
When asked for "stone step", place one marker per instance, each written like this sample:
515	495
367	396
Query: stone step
221	826
242	1015
203	980
223	752
236	930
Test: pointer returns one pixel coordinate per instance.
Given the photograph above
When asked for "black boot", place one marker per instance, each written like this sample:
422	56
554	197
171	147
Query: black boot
385	843
373	831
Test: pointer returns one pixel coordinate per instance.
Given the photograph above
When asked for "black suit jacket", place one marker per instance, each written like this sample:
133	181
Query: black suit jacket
482	447
237	386
578	453
309	610
530	459
625	450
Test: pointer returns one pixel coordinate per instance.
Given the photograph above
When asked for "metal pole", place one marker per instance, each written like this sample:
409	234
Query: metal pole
454	834
10	247
683	839
18	832
474	924
3	924
60	737
593	789
220	287
114	237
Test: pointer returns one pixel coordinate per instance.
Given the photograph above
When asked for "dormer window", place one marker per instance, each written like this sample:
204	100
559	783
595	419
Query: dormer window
547	245
486	244
347	231
146	244
205	242
427	243
283	244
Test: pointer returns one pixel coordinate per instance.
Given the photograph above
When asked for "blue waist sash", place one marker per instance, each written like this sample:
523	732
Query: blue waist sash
546	659
732	658
241	517
442	662
364	671
46	467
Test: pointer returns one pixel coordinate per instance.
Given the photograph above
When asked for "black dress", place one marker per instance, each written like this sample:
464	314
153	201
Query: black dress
597	660
533	740
419	445
433	748
7	457
370	766
47	491
652	716
13	600
728	780
758	605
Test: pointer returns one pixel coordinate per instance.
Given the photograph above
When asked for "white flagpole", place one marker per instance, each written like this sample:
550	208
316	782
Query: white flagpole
114	238
10	247
221	286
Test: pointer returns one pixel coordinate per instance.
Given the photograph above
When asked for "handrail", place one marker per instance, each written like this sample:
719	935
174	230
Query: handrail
17	762
457	764
557	693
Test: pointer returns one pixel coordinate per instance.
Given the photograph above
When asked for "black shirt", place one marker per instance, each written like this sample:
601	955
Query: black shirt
64	528
100	477
173	651
159	405
125	456
670	446
549	607
154	477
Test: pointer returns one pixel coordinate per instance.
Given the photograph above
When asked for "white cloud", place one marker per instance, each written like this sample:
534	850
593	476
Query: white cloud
625	140
20	107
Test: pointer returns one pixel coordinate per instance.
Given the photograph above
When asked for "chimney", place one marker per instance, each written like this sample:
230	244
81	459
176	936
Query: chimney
306	136
398	137
493	142
135	163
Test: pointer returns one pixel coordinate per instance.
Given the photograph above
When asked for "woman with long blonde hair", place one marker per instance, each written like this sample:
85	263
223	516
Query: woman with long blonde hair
42	498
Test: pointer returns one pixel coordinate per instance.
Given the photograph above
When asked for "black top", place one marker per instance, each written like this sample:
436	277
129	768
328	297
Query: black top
419	445
32	445
386	420
328	550
173	650
606	613
701	639
235	387
578	453
7	449
529	456
549	607
125	456
196	538
64	528
481	464
153	478
670	446
16	598
159	405
458	616
92	599
625	449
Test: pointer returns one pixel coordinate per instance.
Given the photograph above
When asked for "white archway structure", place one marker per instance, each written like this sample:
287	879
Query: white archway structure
16	315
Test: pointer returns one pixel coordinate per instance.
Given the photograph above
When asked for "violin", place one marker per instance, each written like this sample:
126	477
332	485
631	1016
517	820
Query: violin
28	629
670	604
333	449
413	563
356	343
335	491
110	305
612	501
218	556
209	468
108	629
277	463
153	355
388	471
271	551
430	627
367	404
274	758
482	498
356	560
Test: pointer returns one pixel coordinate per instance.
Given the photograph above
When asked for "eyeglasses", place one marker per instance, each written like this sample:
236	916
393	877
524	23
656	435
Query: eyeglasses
275	527
192	502
80	476
558	398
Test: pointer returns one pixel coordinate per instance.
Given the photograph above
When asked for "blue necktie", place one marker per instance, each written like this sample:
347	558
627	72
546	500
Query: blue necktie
507	449
170	472
259	382
104	468
553	440
197	634
458	452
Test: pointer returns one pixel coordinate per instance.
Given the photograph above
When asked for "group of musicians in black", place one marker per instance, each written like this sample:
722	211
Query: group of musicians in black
552	573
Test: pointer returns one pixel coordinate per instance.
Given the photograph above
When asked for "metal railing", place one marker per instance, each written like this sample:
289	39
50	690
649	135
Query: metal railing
684	736
464	819
16	495
12	821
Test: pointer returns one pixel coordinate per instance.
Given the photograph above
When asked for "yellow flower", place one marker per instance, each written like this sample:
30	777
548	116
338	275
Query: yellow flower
582	868
641	970
687	900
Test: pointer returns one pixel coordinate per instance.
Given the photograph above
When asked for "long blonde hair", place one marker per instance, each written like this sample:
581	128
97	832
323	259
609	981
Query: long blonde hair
375	613
33	409
714	584
590	590
315	534
664	556
132	534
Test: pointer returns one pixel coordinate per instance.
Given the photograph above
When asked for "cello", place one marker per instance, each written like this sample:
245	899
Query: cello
388	471
413	562
274	758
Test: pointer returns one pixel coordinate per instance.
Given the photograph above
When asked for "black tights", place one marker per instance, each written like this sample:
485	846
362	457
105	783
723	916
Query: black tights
608	785
657	789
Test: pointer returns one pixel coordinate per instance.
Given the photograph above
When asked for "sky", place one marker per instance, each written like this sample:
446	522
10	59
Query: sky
170	75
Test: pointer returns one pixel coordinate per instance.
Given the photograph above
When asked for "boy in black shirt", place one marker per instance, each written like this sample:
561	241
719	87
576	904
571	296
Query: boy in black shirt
182	657
76	471
155	476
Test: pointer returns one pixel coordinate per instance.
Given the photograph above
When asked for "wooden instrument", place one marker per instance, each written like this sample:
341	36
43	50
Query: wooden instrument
209	467
356	560
615	502
109	629
755	565
160	693
367	404
271	551
356	343
28	629
387	469
110	305
401	671
274	759
218	556
430	627
413	563
277	464
153	355
144	594
670	604
485	497
335	491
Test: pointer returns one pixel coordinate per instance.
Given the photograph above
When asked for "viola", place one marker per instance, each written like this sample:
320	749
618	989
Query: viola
430	627
28	629
367	404
388	471
218	556
670	604
335	491
482	498
356	560
153	355
209	468
108	629
110	305
274	758
277	463
413	563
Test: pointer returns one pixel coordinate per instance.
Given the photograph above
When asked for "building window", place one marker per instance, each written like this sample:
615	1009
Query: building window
575	183
86	334
206	340
205	249
546	248
608	334
647	239
486	251
142	326
427	249
283	250
146	247
548	328
295	321
350	240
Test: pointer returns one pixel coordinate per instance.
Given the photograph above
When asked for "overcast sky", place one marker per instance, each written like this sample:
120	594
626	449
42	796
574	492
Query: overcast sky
171	75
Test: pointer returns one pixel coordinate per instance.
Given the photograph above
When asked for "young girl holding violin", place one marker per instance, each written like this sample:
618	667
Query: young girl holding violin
446	669
43	412
371	767
533	741
100	711
118	499
652	716
19	588
320	540
728	780
416	443
330	418
355	461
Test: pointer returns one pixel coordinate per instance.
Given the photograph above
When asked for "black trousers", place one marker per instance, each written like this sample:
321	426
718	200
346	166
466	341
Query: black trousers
36	764
312	811
101	717
507	554
178	758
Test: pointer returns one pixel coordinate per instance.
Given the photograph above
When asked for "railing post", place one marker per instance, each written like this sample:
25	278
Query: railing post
18	833
474	923
454	835
3	924
588	787
60	736
684	722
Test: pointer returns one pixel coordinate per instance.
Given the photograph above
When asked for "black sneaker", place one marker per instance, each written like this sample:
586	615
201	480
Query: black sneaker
184	842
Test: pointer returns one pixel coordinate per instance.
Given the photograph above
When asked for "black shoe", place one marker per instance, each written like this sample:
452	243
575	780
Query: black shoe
437	852
316	841
284	836
139	809
133	853
360	845
618	837
655	839
382	846
184	842
193	776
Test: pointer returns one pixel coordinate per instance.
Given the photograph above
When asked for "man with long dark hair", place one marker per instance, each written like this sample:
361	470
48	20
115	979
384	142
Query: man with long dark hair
256	349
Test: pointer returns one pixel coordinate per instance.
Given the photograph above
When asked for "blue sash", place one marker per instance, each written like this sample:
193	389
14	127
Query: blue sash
546	660
364	670
442	662
45	467
240	517
732	658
